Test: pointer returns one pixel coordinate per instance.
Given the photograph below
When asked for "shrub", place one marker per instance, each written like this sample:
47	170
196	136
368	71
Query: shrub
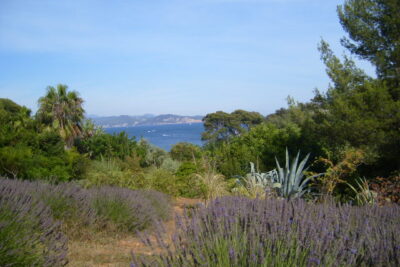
28	234
340	167
188	184
185	152
170	164
108	172
155	156
235	231
101	144
161	180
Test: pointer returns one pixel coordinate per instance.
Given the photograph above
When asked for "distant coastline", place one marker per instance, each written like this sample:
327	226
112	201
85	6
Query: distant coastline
144	120
158	124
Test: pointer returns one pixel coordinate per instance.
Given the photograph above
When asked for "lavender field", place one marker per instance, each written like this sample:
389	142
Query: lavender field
237	231
37	219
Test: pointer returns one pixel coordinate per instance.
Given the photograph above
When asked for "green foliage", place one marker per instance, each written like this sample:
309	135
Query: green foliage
101	144
154	156
29	154
62	110
259	145
161	180
358	111
373	28
189	184
170	164
176	182
185	152
220	126
108	172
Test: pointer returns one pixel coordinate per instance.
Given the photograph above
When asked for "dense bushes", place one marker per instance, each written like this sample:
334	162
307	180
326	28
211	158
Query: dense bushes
105	145
108	172
260	145
235	231
30	151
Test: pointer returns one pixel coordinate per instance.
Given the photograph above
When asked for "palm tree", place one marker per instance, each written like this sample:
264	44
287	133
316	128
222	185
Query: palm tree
63	111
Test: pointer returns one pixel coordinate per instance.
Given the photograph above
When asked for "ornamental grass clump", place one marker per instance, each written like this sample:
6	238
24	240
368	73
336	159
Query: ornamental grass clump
234	231
28	234
256	184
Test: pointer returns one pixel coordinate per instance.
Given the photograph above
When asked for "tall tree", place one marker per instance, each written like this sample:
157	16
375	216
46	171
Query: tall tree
220	126
62	110
359	111
374	34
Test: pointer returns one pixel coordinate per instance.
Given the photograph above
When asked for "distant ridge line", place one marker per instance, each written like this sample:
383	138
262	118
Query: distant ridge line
143	120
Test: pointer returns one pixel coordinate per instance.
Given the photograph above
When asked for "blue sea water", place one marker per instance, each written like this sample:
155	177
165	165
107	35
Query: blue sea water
165	136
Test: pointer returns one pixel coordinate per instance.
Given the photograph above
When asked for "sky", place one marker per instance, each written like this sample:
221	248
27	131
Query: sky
188	57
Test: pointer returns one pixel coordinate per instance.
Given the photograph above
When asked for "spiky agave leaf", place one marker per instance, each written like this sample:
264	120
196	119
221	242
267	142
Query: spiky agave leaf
293	183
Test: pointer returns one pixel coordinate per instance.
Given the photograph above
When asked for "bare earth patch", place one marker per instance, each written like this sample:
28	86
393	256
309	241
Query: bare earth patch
116	251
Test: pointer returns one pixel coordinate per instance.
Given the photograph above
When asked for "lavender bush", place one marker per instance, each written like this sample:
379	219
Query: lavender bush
28	234
127	210
101	208
235	231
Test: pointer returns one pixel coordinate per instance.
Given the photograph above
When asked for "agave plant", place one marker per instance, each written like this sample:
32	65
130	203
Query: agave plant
256	184
291	182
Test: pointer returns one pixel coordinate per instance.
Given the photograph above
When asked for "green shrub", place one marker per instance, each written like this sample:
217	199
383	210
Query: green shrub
170	164
188	184
184	183
106	145
161	180
108	172
185	152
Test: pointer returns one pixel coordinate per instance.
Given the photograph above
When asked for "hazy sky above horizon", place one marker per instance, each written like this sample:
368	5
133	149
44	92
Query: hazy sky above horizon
167	56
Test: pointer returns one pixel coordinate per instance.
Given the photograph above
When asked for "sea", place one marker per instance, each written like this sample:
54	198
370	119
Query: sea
164	136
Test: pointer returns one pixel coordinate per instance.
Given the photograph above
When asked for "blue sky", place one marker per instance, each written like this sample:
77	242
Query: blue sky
167	56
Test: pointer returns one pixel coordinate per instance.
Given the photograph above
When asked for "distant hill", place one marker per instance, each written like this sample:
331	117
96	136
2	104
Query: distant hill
147	119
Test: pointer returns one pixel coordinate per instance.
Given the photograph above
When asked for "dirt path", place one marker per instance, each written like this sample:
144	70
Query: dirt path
116	251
